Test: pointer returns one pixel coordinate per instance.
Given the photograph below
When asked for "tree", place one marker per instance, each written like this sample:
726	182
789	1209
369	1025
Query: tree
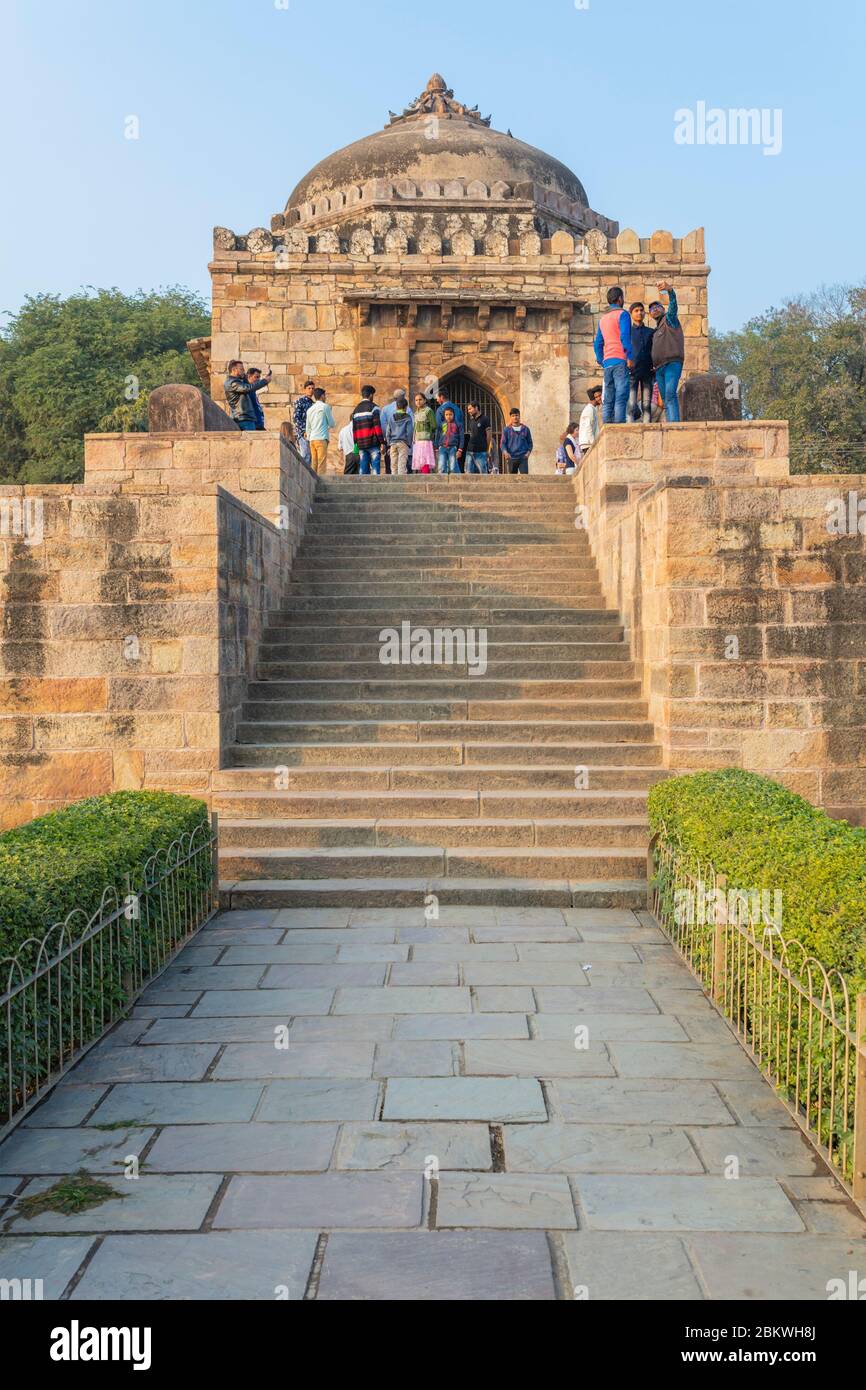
806	363
87	363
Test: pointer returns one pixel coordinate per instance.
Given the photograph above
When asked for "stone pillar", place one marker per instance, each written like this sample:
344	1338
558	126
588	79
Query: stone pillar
545	401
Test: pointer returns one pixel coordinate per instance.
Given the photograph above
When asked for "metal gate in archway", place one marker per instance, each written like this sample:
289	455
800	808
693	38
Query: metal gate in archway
463	389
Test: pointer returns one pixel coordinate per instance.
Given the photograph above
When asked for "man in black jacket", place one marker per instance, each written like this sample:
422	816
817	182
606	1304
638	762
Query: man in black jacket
641	376
240	395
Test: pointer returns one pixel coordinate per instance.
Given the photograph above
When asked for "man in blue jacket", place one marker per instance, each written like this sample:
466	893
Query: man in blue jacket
516	445
642	376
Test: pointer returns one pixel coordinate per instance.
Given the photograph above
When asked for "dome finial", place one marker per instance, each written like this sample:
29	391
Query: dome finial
437	99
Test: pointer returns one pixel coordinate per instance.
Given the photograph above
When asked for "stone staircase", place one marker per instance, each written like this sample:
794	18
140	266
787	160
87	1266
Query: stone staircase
354	782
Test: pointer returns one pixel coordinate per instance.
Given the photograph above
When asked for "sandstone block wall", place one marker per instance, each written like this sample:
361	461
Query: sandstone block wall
745	602
129	620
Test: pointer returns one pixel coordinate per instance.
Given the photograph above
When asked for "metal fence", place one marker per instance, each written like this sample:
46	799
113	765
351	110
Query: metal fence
63	991
794	1016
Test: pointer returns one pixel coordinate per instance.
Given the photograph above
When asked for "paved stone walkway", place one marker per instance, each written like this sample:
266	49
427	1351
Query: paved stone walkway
432	1130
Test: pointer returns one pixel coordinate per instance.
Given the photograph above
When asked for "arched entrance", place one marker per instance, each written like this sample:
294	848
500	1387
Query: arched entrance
462	389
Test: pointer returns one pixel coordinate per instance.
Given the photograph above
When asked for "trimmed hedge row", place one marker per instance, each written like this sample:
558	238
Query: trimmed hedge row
65	860
762	836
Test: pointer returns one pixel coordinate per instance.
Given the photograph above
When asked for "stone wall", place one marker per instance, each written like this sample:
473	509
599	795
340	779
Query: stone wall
745	604
516	312
130	612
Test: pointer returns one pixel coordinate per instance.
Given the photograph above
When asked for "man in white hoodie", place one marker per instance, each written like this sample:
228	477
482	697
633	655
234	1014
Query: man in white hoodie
588	431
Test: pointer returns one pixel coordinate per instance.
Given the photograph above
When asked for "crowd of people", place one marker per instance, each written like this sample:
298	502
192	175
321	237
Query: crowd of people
432	436
641	366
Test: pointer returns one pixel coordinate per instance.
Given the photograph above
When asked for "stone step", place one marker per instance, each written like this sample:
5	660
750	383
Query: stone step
366	589
421	688
403	807
452	569
302	649
426	614
281	735
624	774
353	634
465	892
403	606
395	753
477	831
382	710
611	655
414	861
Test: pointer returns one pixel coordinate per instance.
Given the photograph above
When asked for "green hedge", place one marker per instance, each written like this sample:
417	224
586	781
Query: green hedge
760	836
65	860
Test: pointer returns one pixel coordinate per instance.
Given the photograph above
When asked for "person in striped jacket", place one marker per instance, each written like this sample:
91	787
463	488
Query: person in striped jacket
367	430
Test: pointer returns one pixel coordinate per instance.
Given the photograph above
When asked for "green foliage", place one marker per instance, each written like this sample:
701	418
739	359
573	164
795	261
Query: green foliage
65	860
759	835
68	1196
806	363
61	864
87	363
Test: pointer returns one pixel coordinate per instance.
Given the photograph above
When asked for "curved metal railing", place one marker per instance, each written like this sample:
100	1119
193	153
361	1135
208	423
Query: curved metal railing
793	1014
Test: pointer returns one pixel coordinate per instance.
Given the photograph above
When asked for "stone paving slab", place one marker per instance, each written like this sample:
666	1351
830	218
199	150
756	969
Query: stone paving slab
326	1201
542	1059
282	1003
243	1148
661	1203
595	1000
441	1266
319	1100
176	1063
626	1102
688	1063
359	1028
398	1000
387	1146
60	1151
629	1267
52	1259
609	1027
760	1267
594	1148
414	1059
67	1105
152	1202
178	1102
516	1000
759	1152
465	1098
462	1026
424	972
323	976
326	1058
245	1265
202	977
532	1201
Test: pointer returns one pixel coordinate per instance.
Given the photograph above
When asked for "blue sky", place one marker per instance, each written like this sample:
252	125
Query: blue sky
237	99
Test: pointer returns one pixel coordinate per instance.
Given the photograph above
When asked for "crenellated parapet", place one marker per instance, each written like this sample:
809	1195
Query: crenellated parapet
447	232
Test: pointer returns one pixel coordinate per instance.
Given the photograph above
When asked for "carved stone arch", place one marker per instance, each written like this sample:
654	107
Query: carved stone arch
487	376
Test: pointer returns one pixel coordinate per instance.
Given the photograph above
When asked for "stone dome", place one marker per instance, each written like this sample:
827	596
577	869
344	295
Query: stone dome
437	139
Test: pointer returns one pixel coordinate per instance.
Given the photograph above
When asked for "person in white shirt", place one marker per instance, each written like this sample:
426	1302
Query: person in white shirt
347	448
320	422
588	428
